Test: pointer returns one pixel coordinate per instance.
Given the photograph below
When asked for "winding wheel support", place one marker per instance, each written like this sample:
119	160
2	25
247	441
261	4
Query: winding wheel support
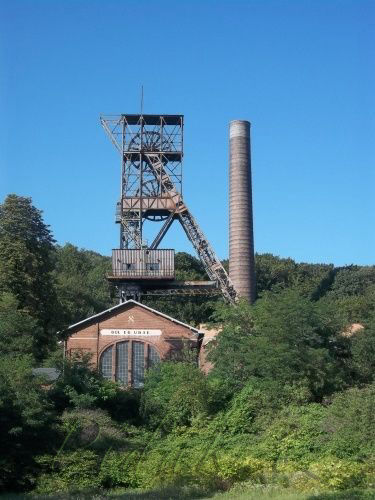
151	149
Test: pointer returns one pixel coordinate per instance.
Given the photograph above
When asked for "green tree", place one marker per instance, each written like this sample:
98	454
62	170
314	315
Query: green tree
255	406
189	267
275	273
26	423
313	280
272	271
26	263
191	310
81	283
80	386
353	308
19	332
352	281
231	350
174	393
350	424
282	337
363	353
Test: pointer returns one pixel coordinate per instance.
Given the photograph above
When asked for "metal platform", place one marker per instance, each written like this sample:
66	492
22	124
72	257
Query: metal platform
145	287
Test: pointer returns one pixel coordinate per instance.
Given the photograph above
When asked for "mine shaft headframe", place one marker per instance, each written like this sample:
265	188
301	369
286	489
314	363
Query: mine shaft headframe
148	176
135	136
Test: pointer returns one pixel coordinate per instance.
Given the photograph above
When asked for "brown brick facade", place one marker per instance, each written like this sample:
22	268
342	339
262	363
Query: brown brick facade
88	336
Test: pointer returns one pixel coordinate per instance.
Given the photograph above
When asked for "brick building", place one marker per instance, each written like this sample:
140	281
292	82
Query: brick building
128	338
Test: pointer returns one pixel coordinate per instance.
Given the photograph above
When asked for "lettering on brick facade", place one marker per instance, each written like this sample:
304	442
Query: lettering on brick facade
132	332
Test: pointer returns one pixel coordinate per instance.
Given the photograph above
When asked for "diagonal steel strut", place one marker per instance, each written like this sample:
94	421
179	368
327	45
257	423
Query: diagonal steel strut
167	224
211	262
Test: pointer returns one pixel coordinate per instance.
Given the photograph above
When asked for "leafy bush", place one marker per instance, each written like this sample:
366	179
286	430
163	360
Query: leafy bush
121	404
225	470
283	337
337	474
174	393
252	408
82	387
295	435
120	469
349	424
196	466
26	423
92	429
77	470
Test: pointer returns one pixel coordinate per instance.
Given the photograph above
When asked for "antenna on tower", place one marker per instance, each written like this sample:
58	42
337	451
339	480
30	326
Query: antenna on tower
141	99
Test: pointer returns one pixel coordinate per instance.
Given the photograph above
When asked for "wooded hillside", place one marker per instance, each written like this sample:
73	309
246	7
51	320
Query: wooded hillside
290	403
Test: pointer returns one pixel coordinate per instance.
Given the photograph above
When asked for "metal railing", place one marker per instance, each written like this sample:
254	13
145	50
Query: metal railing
142	273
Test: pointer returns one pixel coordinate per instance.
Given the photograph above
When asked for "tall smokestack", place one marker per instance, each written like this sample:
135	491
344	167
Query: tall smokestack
241	240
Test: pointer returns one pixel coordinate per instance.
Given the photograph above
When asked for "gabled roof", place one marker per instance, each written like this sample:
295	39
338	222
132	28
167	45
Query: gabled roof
123	305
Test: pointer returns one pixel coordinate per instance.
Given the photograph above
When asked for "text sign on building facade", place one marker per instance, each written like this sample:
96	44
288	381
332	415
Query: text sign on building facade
122	331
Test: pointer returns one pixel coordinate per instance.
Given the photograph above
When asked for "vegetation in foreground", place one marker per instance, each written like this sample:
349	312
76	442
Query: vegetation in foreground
288	411
240	491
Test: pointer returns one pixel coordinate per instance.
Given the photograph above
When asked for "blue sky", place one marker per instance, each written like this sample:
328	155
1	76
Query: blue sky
302	71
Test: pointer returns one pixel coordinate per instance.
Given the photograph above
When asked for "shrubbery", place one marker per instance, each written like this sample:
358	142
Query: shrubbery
120	469
349	424
69	470
290	402
295	435
27	423
284	337
92	429
174	394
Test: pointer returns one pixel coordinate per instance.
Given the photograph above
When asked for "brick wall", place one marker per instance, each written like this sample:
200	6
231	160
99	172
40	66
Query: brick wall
88	338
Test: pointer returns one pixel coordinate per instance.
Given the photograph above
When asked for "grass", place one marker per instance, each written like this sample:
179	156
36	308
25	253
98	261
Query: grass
246	492
117	494
239	492
172	493
250	492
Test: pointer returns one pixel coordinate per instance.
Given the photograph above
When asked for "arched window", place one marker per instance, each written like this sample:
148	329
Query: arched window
153	356
122	362
106	363
130	358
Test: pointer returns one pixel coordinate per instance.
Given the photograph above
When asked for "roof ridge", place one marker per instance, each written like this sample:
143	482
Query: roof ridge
127	302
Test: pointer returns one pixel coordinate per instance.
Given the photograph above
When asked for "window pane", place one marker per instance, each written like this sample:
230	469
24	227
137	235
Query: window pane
138	359
153	356
129	266
106	363
152	266
122	362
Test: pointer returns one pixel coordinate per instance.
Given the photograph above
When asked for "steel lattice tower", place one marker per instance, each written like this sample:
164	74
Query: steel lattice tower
150	145
151	149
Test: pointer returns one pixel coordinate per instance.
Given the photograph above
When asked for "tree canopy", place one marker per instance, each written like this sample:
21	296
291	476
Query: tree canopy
81	283
282	337
290	400
26	265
